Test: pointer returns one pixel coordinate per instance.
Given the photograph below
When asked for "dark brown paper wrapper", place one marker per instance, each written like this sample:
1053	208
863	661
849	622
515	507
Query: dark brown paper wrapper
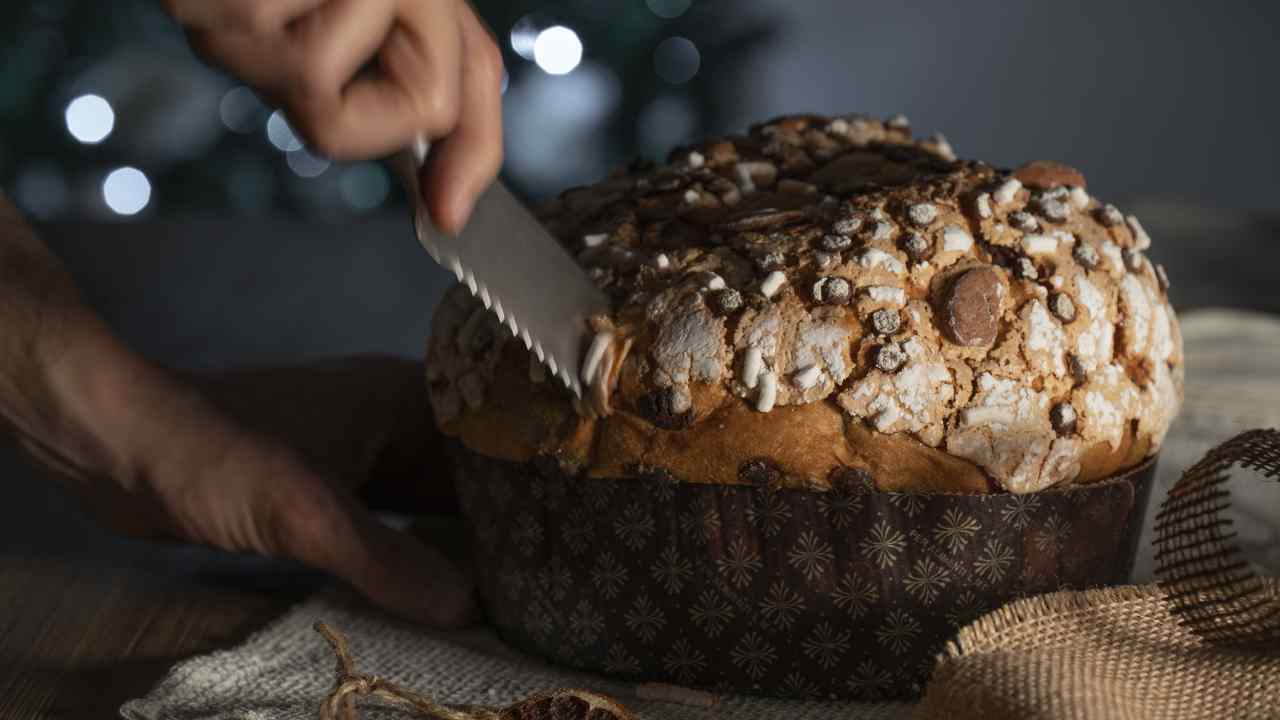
847	594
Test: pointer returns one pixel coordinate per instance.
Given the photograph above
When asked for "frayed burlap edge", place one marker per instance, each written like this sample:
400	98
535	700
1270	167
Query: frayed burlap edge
1198	645
1110	653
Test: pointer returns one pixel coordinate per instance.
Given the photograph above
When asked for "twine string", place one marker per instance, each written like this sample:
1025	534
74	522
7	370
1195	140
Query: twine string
561	704
349	685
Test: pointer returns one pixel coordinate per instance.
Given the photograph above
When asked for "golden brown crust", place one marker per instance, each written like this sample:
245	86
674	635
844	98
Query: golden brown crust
827	293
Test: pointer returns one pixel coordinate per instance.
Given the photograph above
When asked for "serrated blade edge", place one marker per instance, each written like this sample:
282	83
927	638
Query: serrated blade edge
520	273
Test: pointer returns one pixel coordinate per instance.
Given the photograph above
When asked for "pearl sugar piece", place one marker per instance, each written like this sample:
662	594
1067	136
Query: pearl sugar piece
772	283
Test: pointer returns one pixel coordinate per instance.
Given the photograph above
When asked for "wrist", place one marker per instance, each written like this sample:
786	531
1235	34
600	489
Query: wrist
92	379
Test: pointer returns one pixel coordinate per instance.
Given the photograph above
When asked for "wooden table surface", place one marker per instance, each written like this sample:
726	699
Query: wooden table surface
86	625
88	620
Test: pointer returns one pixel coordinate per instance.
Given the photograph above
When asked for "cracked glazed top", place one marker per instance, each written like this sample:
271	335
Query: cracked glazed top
827	293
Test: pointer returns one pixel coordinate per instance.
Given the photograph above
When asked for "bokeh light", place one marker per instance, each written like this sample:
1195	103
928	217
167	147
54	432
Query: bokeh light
304	164
668	9
126	191
567	144
240	110
557	50
676	60
281	134
365	186
90	119
523	35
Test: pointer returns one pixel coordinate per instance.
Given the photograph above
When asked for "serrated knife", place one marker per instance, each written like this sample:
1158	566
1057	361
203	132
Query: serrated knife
517	270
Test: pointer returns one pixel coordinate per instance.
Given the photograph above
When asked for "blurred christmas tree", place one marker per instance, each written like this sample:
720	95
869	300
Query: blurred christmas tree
105	112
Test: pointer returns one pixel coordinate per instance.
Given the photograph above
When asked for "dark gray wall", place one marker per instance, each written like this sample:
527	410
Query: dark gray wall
1147	97
207	292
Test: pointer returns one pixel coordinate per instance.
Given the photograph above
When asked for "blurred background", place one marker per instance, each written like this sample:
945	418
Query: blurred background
107	114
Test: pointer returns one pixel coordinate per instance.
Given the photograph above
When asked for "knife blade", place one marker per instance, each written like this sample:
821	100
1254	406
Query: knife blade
521	274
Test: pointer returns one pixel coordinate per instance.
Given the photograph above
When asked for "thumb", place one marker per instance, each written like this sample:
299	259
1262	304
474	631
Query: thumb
332	531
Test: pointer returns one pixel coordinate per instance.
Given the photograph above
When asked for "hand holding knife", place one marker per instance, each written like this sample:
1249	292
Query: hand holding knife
363	78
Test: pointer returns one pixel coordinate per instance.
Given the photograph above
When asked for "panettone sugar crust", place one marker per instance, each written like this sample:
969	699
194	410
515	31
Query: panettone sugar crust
828	293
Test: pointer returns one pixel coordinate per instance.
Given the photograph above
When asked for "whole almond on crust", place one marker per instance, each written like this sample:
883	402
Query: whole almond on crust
1047	174
971	307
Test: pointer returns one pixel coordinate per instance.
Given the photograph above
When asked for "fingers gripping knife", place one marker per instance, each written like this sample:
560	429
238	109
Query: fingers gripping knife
512	264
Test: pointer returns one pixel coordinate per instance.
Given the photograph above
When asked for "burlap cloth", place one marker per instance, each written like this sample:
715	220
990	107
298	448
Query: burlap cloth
1132	652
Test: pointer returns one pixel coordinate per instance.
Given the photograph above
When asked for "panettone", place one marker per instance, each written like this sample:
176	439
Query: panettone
827	294
854	393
